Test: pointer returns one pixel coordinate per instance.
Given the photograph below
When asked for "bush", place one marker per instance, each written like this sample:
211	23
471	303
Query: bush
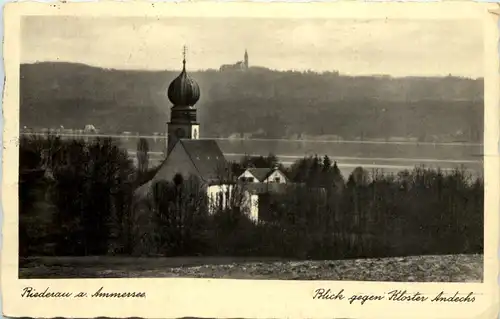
86	193
179	218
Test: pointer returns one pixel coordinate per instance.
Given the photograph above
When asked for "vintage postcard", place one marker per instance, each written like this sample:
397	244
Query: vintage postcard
251	160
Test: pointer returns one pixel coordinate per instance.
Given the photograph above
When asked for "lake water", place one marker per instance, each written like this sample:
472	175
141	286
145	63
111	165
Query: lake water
386	156
389	157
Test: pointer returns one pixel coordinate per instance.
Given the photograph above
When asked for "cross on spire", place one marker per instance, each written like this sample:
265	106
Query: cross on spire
184	50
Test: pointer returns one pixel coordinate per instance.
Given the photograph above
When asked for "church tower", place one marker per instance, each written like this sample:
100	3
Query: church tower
183	92
246	59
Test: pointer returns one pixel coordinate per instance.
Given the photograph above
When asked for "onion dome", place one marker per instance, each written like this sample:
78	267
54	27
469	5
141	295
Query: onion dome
183	91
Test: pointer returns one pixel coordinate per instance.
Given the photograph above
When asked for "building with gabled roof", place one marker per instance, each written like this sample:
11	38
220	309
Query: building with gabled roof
189	156
263	175
201	158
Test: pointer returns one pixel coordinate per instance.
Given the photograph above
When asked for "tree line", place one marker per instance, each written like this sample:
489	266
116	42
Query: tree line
76	197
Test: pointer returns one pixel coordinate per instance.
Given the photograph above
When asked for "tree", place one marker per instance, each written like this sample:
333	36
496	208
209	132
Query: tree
326	177
299	171
359	176
179	216
142	155
338	179
91	194
269	161
327	163
32	219
315	173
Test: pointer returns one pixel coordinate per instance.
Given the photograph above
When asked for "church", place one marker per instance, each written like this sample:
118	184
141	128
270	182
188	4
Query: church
189	155
238	66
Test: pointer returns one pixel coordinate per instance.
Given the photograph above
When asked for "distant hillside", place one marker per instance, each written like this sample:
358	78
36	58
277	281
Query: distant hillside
261	102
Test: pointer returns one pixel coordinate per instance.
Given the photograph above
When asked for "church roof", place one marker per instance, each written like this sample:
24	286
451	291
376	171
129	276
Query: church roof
206	156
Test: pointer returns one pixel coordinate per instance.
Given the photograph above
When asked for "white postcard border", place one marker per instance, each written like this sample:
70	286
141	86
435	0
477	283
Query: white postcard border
219	298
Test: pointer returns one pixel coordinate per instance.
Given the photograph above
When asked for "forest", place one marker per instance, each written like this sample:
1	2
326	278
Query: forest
267	103
76	198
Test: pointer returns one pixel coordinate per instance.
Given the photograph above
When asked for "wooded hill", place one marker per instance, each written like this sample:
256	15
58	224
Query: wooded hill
259	103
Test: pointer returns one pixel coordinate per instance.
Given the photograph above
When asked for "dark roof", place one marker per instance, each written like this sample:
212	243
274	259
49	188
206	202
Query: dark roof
260	173
207	157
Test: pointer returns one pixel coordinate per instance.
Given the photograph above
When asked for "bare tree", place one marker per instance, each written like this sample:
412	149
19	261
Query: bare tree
142	155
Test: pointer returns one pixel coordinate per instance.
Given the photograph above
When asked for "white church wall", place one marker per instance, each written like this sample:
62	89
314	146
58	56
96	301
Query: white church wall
178	162
221	197
218	197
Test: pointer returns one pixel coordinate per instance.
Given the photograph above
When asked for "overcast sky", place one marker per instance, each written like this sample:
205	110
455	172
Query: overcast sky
394	47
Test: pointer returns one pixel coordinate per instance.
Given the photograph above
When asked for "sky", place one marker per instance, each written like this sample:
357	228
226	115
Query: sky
354	47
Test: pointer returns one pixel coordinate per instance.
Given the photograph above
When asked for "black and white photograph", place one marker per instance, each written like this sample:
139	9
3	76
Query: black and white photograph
332	149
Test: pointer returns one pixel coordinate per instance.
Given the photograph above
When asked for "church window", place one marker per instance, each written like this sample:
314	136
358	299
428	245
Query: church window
277	180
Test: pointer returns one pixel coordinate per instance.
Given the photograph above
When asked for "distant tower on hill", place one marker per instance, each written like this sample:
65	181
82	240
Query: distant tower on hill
246	59
238	66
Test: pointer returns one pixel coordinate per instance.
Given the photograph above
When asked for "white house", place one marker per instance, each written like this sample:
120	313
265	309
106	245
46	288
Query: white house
263	175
